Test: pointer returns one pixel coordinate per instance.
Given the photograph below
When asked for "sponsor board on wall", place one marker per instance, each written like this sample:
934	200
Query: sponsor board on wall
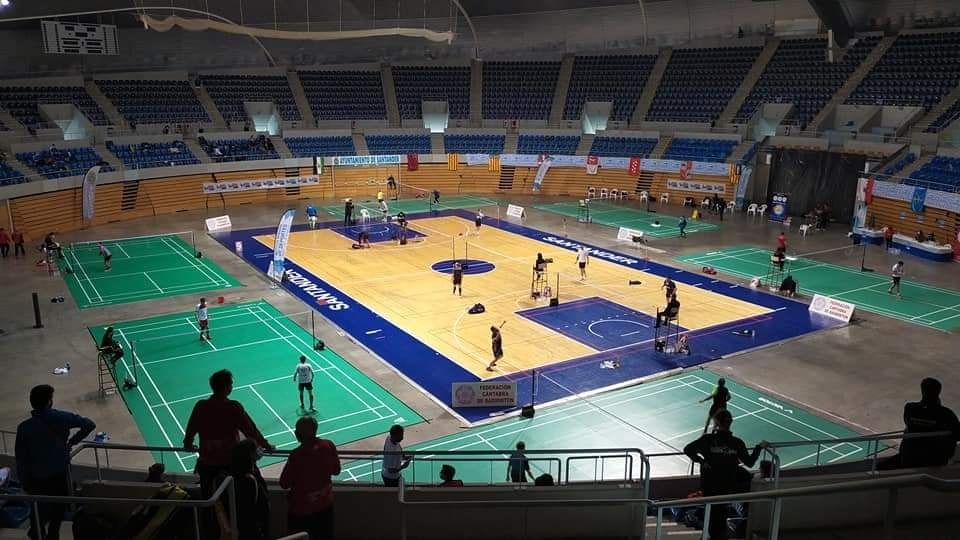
264	183
694	185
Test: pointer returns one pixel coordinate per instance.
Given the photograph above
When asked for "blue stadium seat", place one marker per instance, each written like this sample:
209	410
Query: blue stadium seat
10	176
154	101
344	95
229	92
473	144
716	150
941	173
398	144
622	147
57	163
22	102
946	118
415	84
519	90
618	79
899	165
562	145
310	147
256	147
149	155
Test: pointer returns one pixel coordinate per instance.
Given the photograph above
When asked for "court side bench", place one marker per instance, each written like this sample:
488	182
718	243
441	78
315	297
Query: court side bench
925	250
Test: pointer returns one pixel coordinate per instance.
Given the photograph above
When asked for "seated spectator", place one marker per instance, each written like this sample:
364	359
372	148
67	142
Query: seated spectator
447	474
545	479
919	237
931	237
789	286
156	474
926	416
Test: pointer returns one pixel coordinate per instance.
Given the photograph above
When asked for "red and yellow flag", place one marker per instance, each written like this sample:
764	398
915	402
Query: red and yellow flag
493	165
452	161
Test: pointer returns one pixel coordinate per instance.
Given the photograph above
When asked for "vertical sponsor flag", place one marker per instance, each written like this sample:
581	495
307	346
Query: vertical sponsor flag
868	191
280	244
919	199
593	163
413	162
541	172
493	164
453	161
634	168
90	191
685	168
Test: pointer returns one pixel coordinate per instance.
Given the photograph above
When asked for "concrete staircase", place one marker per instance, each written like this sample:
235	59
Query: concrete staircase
436	144
12	123
740	150
282	149
208	105
919	162
390	95
650	89
194	147
20	166
661	146
510	142
360	143
306	114
106	105
476	93
855	78
945	103
560	93
108	156
586	143
746	86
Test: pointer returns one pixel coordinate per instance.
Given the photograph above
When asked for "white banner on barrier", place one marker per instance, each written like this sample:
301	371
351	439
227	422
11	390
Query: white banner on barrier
515	211
628	235
266	183
218	223
831	307
485	394
693	185
365	161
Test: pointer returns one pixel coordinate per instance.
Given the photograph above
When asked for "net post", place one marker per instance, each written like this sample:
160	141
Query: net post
193	241
313	329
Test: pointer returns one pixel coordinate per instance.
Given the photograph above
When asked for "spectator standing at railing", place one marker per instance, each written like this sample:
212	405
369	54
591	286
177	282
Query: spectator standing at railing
720	454
43	457
518	468
253	499
393	459
307	475
926	416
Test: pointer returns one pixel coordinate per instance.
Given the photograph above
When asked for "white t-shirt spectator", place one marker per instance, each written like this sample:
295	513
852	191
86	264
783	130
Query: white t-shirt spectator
391	461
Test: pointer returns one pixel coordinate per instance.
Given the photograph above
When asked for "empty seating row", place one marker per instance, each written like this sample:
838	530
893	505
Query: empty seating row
415	84
229	92
9	175
700	149
154	101
519	90
799	73
618	79
941	173
560	145
23	102
698	83
149	155
56	163
947	117
622	147
899	165
918	69
473	144
254	148
309	147
398	144
344	95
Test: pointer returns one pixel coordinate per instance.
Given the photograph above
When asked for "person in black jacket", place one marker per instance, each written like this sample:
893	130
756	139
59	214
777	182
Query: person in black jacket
347	212
926	416
720	454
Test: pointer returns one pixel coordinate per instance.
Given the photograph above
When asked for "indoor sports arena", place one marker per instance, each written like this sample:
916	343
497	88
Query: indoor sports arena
611	269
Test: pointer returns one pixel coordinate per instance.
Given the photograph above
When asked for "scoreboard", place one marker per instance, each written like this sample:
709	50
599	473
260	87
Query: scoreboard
79	38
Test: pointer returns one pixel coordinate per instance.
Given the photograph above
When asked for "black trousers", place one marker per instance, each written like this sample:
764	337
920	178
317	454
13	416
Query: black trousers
46	521
18	250
4	249
319	525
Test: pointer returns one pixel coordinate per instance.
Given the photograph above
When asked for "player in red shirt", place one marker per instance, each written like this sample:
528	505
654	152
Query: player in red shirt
307	475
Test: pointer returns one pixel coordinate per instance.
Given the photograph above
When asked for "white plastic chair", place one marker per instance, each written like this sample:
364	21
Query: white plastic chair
752	209
614	193
591	192
604	193
364	216
644	196
762	210
665	198
731	206
705	203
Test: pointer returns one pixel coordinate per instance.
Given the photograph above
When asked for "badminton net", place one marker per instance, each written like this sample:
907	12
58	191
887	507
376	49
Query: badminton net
135	246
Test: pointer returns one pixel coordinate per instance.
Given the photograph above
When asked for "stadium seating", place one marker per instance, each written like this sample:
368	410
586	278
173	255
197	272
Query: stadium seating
9	175
899	165
229	92
946	118
3	127
344	95
57	163
473	144
149	155
799	73
415	84
700	149
309	147
154	101
918	69
618	79
398	144
519	90
22	102
562	145
698	83
942	173
255	148
622	147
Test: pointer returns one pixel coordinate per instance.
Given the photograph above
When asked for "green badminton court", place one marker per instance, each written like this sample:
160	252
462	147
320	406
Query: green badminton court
261	347
413	206
614	215
144	268
659	417
922	304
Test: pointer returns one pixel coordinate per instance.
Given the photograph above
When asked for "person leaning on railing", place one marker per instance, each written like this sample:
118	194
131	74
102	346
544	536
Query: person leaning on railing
928	415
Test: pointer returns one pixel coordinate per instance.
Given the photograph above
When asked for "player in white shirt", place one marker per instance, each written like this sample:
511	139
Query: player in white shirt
583	257
105	253
203	319
896	274
303	374
393	459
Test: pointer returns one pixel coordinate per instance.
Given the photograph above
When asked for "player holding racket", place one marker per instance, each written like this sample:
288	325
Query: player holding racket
496	342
